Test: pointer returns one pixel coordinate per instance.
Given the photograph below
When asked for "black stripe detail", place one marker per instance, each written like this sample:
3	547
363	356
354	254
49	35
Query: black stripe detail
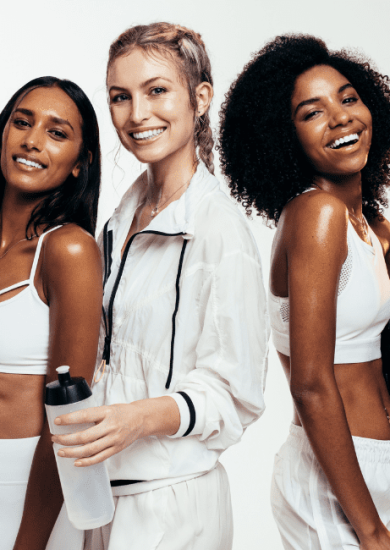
108	317
183	249
107	247
120	482
191	408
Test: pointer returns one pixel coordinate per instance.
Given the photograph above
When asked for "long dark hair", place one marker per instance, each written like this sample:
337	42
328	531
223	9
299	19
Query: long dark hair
76	200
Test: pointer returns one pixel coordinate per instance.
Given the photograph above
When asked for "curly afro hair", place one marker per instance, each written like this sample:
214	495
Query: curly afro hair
260	153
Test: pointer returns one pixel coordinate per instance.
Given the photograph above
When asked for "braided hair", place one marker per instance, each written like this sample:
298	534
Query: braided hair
188	51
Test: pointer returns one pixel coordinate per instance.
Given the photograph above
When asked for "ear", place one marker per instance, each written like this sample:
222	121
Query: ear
76	170
204	94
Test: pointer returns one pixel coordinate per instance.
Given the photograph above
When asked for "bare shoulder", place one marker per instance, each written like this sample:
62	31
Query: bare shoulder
69	242
316	216
69	251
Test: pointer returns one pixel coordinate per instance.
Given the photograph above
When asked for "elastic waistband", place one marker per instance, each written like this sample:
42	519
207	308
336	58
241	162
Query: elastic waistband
367	450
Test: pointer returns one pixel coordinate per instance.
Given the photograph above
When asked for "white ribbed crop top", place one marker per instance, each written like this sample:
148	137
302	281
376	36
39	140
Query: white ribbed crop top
363	304
24	322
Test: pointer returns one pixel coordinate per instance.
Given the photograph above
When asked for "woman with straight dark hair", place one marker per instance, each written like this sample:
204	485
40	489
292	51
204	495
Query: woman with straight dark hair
305	141
50	288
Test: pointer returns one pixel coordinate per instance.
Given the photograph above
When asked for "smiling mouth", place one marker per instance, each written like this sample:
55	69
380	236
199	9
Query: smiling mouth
27	162
147	135
344	141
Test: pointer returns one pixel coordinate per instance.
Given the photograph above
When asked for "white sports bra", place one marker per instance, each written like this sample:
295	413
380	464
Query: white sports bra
24	322
363	304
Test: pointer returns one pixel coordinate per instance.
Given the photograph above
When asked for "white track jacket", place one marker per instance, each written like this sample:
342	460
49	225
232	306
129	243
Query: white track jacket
189	319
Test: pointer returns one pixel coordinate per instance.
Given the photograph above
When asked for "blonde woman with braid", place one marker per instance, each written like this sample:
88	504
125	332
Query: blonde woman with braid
183	350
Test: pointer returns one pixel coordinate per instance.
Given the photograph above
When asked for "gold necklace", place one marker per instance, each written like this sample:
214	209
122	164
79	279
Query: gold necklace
157	208
21	240
362	222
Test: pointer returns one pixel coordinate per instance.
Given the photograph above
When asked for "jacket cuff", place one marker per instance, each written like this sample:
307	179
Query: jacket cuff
189	415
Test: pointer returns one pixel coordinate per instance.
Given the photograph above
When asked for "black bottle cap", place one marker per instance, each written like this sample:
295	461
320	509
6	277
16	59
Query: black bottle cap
66	390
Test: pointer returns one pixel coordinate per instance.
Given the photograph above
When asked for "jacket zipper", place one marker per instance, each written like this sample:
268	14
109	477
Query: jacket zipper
108	317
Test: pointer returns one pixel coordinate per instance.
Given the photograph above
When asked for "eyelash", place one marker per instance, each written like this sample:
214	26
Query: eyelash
310	115
158	88
117	98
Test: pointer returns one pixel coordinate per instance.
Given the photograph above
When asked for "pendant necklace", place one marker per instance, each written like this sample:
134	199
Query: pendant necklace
158	207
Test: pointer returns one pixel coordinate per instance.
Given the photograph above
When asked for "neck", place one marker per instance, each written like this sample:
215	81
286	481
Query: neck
347	188
15	214
171	173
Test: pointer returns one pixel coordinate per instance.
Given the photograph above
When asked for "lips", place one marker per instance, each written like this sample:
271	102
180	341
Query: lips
28	161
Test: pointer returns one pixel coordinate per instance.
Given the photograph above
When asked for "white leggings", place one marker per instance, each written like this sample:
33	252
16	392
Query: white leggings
191	515
15	463
305	508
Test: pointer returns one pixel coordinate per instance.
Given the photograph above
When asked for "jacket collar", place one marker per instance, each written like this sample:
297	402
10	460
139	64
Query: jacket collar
177	217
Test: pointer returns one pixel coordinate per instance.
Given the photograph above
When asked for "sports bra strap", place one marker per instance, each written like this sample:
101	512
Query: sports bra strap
13	287
38	251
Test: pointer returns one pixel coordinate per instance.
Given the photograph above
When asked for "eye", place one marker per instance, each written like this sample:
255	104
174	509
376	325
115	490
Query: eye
158	90
310	115
58	134
119	98
19	122
352	99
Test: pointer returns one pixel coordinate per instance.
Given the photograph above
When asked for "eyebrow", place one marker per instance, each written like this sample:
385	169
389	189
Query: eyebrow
315	99
143	84
55	119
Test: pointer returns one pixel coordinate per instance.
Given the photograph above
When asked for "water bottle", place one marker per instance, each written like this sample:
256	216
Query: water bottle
87	491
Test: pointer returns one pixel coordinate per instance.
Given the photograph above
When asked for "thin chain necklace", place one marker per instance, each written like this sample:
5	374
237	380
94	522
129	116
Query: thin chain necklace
21	240
157	208
362	222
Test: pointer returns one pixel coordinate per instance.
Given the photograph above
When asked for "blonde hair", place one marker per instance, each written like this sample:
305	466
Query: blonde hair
187	49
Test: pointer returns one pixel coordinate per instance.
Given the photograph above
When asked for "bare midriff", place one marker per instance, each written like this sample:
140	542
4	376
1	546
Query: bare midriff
21	405
364	394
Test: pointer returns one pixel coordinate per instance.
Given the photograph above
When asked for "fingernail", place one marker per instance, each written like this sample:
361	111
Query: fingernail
78	463
57	421
61	453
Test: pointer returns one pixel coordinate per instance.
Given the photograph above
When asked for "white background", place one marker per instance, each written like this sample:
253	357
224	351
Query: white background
70	39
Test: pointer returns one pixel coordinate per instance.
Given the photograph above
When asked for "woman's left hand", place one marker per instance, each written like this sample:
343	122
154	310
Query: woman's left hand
117	427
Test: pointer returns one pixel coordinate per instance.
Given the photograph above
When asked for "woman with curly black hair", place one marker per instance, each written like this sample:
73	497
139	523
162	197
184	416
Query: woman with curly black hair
305	140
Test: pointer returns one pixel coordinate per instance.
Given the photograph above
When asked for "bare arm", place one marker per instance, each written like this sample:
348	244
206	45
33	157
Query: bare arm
315	254
71	278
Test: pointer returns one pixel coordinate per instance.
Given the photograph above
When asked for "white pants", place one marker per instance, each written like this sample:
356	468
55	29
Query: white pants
191	515
305	508
15	463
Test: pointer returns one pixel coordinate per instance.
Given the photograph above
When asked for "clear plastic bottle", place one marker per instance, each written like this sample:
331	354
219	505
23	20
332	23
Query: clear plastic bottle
87	491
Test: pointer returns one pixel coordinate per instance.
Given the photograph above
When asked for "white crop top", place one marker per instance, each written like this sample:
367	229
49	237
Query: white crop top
363	304
24	322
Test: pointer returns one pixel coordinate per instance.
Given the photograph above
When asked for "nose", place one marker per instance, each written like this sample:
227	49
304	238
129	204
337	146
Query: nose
339	116
140	109
33	138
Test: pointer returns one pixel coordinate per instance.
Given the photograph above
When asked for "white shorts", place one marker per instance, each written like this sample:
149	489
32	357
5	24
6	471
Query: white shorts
191	515
305	508
16	456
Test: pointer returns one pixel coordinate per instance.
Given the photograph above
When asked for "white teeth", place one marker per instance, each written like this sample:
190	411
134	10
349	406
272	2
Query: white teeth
342	140
148	134
29	162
